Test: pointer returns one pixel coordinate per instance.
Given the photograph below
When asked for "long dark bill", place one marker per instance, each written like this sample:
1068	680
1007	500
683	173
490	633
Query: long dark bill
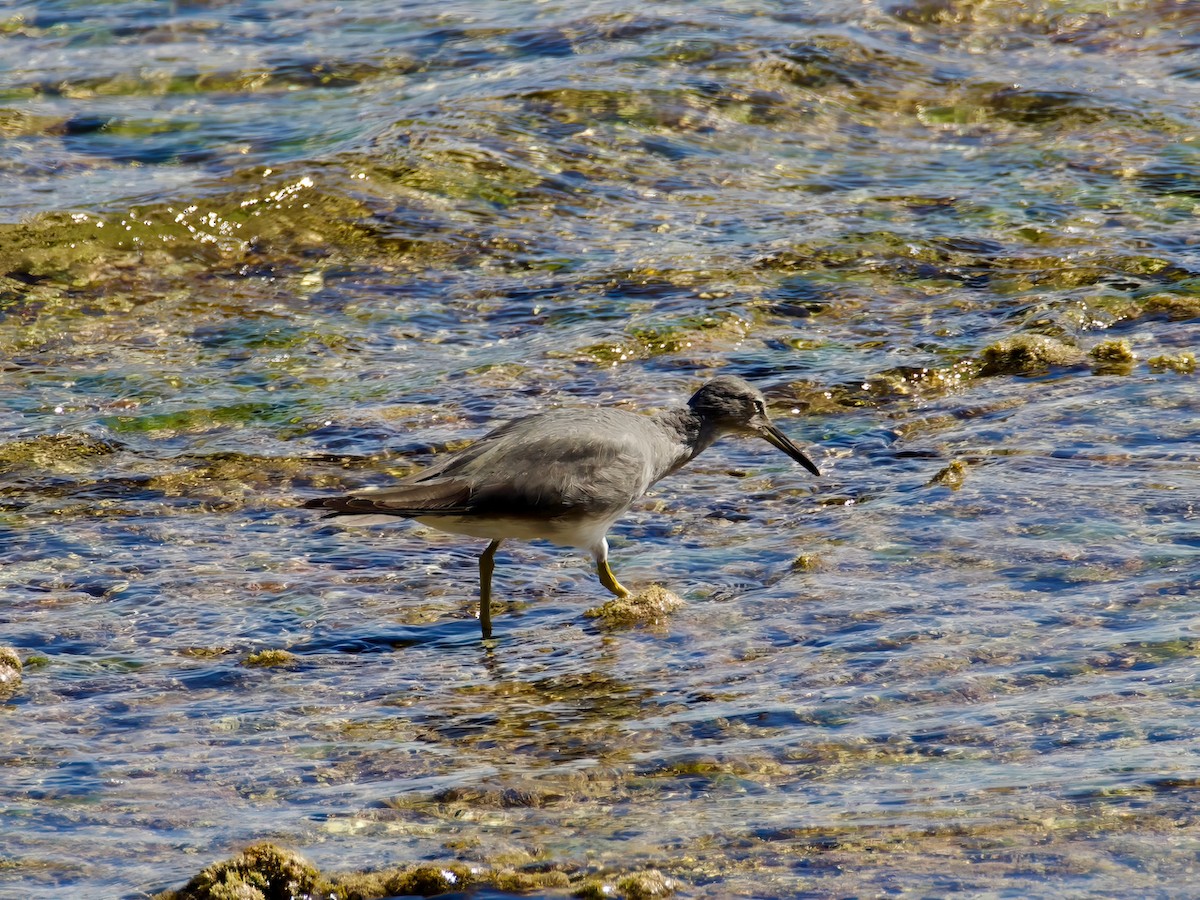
776	438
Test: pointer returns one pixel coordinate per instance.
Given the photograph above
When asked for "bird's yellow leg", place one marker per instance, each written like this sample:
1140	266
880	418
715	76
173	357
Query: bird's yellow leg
609	580
487	565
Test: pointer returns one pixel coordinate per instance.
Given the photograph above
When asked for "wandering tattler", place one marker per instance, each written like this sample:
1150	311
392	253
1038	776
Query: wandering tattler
565	475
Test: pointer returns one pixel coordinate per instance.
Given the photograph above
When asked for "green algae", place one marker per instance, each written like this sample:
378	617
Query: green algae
156	245
193	421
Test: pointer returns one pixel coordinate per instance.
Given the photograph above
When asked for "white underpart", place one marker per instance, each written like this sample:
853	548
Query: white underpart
367	519
586	534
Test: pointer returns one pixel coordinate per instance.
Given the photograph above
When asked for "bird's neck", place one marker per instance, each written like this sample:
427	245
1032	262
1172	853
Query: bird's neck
693	433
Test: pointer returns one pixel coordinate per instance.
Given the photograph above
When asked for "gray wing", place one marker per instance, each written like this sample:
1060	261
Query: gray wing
448	497
551	464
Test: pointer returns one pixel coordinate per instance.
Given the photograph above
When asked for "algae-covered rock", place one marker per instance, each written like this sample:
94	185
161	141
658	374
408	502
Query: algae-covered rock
431	879
10	672
952	475
260	872
806	562
650	605
55	452
1113	351
638	886
1183	363
1114	357
1028	354
428	880
1175	307
268	658
520	881
267	872
646	885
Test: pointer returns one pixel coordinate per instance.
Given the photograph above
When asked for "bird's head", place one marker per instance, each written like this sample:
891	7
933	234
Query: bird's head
728	404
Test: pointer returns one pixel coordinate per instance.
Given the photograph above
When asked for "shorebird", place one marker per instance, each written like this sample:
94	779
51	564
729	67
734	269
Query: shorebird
565	475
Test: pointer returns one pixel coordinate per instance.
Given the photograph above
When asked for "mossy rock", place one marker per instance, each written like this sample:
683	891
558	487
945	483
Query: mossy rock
1113	351
10	672
1183	363
1176	307
806	562
56	452
1028	354
265	871
428	880
260	872
645	885
1114	357
264	659
952	475
650	605
521	882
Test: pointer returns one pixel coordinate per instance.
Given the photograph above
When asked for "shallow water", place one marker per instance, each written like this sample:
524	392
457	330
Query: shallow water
255	252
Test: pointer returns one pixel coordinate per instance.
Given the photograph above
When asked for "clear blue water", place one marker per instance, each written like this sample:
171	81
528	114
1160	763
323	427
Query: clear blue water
257	252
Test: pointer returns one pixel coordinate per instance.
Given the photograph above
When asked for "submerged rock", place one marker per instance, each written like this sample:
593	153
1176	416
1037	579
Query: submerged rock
429	880
10	672
650	605
806	562
1027	354
1183	363
268	658
637	886
267	872
260	872
1175	307
951	476
1113	357
55	452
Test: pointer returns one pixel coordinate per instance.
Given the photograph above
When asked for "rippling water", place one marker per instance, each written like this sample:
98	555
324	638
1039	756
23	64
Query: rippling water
254	252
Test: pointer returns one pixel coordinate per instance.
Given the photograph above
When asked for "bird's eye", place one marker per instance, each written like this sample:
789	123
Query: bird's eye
760	407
